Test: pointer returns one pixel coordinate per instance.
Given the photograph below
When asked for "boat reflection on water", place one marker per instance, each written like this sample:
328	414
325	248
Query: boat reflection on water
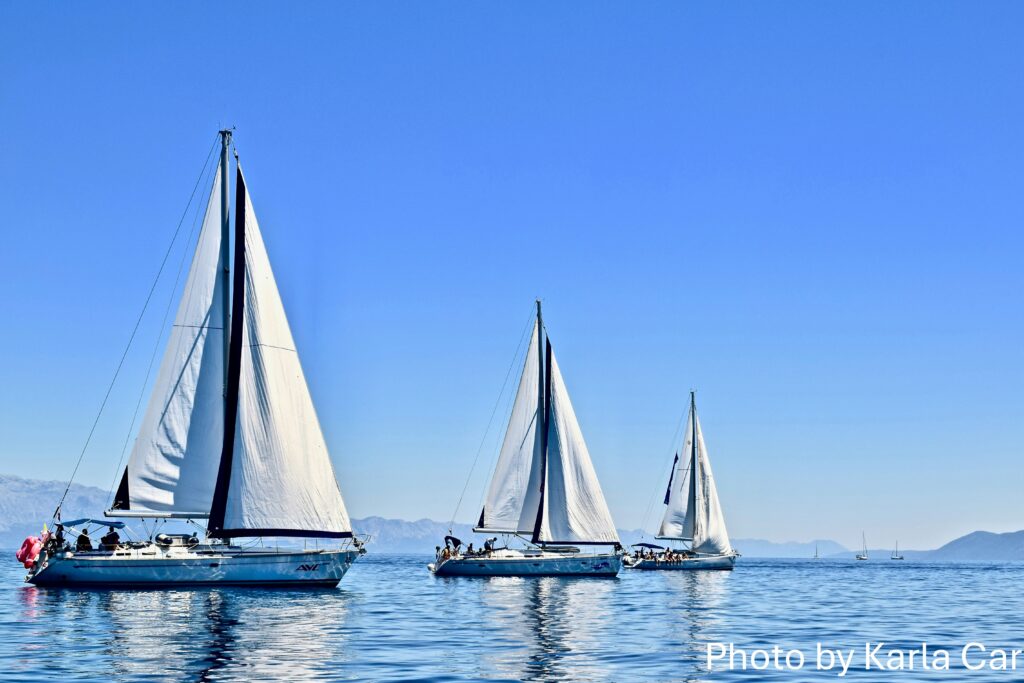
563	623
693	609
211	634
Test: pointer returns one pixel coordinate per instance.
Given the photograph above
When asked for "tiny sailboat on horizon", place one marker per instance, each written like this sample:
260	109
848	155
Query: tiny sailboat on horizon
896	552
863	554
544	489
693	513
230	439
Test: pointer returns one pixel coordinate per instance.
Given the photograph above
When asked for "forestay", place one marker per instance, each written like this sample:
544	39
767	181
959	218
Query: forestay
173	464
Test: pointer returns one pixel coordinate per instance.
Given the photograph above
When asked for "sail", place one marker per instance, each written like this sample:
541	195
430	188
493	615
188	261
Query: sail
278	479
574	509
514	494
678	521
173	464
710	535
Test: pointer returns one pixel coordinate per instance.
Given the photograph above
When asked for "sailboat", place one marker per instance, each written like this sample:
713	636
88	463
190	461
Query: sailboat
816	556
896	553
863	555
230	438
693	513
544	489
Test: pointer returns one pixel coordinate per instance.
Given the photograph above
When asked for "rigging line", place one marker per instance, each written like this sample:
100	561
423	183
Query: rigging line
131	338
490	420
654	492
159	337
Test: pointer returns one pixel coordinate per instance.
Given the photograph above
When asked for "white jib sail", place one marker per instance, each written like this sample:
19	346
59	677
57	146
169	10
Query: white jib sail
574	507
173	464
281	473
513	496
711	535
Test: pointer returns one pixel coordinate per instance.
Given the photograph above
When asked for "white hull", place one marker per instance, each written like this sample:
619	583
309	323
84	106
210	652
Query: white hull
726	562
530	563
154	566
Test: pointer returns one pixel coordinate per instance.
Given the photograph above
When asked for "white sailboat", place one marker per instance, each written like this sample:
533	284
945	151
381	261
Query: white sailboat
896	553
863	555
693	513
230	438
543	489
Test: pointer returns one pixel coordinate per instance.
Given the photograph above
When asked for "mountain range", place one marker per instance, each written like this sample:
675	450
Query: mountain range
26	503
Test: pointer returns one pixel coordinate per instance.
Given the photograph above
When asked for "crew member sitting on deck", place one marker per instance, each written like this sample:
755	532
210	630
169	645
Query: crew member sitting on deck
110	541
58	538
84	542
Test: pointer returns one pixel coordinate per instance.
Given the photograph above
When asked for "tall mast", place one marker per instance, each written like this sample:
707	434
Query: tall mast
543	391
225	247
694	481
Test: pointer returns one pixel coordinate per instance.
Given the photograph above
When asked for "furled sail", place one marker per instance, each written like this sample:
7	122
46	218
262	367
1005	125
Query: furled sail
276	477
694	512
514	494
173	464
574	509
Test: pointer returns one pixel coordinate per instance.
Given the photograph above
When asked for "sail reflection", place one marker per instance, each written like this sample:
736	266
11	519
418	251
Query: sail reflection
558	621
695	615
216	634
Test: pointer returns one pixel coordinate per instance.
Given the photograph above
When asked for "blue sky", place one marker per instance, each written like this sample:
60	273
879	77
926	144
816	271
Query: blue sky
810	212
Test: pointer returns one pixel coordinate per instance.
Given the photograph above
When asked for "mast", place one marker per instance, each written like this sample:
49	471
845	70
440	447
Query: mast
233	364
225	248
693	464
543	411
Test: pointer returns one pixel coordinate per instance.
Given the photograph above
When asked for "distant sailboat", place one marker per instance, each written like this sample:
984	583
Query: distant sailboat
863	555
896	553
230	437
544	488
816	557
693	513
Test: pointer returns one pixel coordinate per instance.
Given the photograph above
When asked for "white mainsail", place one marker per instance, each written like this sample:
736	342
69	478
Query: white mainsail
545	473
174	461
281	478
517	474
693	512
574	507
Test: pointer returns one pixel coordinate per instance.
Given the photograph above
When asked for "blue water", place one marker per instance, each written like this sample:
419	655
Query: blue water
391	620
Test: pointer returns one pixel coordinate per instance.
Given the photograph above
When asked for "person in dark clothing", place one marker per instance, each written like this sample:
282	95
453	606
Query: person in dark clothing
84	542
110	541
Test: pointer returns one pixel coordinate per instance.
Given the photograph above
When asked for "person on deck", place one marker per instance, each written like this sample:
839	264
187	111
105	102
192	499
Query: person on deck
110	541
83	543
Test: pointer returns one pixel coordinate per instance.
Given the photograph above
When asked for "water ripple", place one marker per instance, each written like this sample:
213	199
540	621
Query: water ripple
392	620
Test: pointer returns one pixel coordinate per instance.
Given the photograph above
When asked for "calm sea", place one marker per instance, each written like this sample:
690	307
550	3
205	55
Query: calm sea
390	619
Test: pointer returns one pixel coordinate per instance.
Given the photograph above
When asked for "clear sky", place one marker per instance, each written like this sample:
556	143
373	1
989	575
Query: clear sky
810	212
